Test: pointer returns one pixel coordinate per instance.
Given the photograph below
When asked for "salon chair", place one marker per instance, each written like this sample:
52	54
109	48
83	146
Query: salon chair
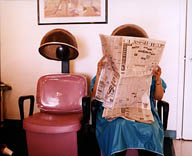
54	129
163	111
162	108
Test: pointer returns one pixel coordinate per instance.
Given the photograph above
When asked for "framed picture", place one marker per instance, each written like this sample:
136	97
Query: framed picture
72	11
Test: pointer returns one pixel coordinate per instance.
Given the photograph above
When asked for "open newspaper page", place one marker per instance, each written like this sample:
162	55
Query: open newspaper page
124	76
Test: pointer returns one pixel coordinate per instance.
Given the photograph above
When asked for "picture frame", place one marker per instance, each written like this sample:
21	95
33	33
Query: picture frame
51	12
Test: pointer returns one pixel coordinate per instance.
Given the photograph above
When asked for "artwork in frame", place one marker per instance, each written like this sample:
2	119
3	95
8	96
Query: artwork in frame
72	11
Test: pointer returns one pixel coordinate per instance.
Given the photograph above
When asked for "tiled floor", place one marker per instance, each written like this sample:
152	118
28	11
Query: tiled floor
183	147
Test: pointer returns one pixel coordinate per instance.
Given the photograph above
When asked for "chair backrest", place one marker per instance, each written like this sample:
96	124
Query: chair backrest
61	93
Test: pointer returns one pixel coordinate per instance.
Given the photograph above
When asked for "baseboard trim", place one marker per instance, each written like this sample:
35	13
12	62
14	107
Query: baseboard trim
170	134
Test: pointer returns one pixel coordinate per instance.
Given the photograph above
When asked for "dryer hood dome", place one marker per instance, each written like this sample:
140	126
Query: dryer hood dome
59	44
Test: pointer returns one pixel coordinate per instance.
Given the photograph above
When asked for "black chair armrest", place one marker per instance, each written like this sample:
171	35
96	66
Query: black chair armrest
94	109
21	105
86	135
163	105
86	109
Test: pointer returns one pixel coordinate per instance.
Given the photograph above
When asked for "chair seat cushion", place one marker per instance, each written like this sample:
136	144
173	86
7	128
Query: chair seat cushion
53	123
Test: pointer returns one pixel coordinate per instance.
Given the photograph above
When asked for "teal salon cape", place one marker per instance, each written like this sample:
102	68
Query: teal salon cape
120	134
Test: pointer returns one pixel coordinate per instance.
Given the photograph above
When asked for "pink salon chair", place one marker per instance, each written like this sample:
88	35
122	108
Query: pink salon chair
53	130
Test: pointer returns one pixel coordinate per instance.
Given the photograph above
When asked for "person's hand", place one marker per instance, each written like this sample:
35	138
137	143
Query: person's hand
159	91
157	73
101	64
102	61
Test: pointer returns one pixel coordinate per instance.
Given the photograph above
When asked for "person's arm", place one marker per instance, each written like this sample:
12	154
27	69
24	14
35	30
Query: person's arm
100	65
159	91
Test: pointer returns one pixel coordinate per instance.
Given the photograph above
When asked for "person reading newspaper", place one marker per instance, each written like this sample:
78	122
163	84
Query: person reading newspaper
120	132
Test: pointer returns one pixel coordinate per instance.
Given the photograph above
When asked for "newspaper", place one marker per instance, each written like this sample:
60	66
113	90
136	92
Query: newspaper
124	76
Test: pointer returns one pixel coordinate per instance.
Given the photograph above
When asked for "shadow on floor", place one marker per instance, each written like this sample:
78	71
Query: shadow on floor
168	147
12	134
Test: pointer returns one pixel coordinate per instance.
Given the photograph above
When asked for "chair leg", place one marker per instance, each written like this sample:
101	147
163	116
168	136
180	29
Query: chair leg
146	153
123	153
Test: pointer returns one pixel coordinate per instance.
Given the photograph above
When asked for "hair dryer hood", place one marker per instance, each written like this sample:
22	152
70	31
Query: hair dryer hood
59	44
129	30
